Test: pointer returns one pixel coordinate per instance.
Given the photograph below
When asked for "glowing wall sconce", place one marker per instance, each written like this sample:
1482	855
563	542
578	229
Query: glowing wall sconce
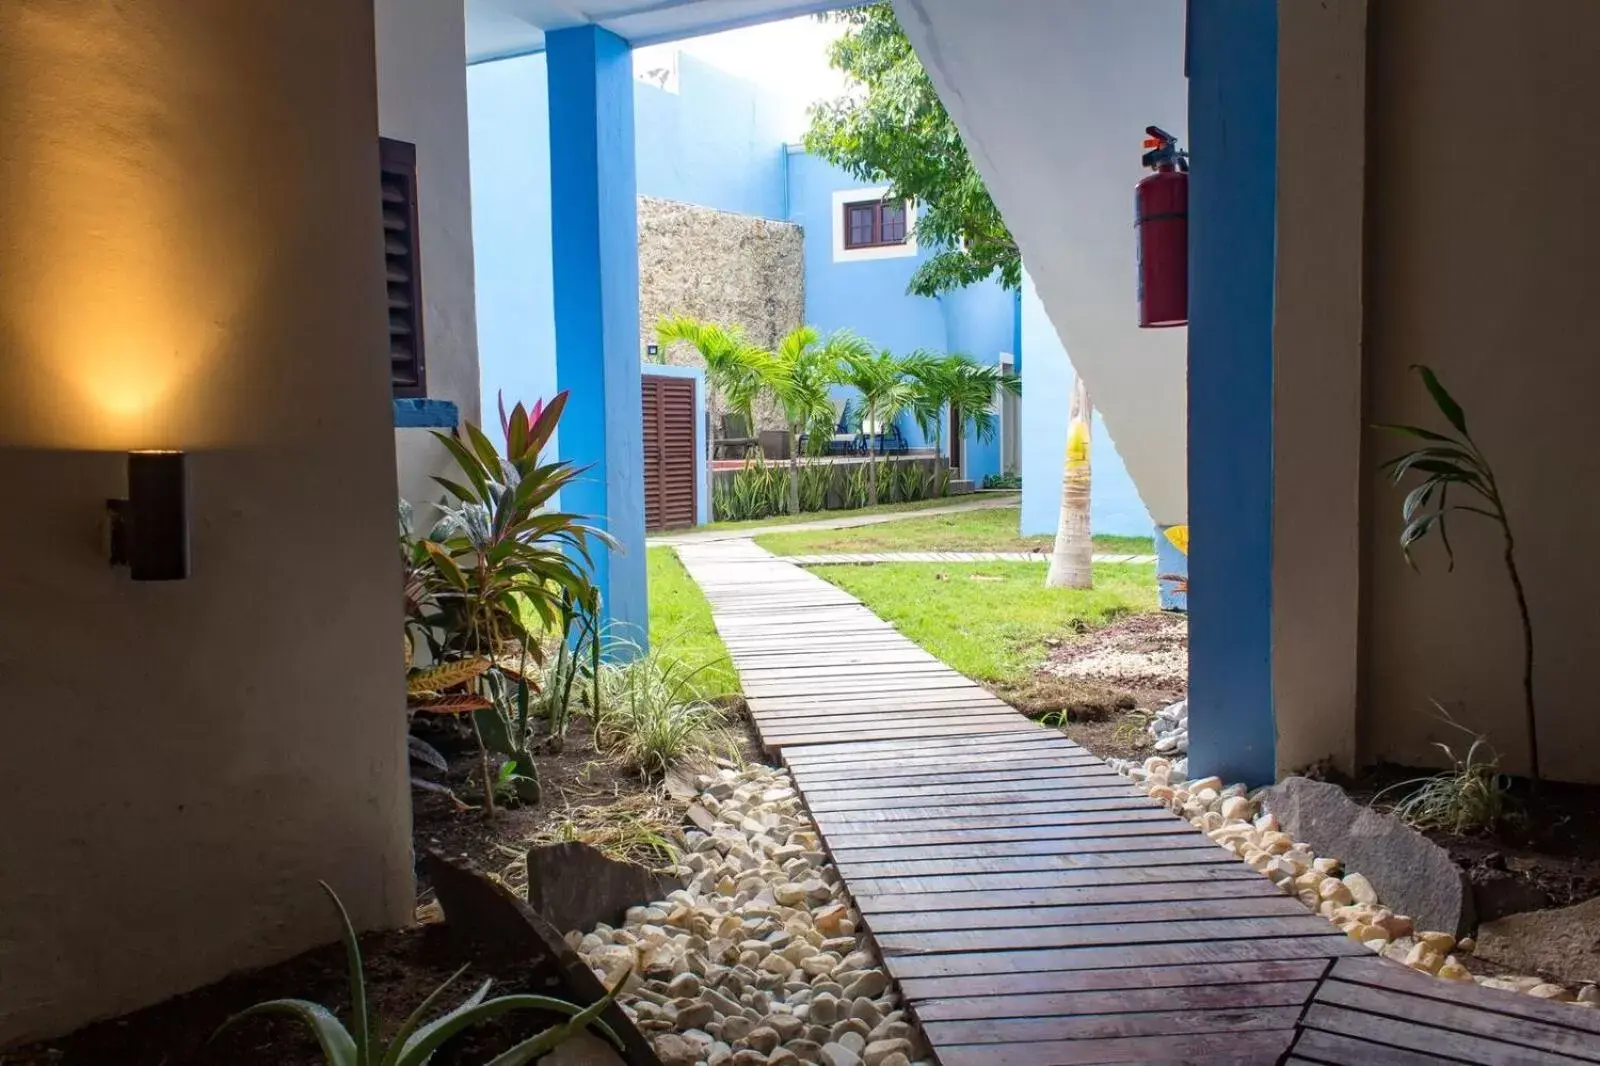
150	529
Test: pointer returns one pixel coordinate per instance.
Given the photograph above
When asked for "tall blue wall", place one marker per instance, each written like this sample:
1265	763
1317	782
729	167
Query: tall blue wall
716	142
509	138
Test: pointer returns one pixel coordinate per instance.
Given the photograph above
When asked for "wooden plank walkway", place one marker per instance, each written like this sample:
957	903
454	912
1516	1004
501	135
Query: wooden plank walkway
858	558
1038	910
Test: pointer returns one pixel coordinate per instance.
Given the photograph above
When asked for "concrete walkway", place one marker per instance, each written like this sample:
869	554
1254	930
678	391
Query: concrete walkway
948	557
707	536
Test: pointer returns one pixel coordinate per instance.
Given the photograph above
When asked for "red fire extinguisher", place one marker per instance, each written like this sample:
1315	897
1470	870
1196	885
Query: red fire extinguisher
1161	228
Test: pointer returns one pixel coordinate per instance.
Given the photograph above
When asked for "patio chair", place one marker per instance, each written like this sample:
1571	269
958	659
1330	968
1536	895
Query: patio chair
890	440
735	440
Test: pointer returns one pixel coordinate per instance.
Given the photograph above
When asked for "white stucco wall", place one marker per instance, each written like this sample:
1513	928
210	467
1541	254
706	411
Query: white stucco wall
422	98
1061	161
189	225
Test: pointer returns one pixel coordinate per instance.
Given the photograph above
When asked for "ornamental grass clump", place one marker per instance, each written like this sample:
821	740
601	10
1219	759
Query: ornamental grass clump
651	716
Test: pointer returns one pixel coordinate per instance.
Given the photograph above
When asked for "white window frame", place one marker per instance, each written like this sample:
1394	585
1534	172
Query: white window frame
841	254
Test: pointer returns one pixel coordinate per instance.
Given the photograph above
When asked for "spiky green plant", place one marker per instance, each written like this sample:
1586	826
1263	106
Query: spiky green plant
1454	463
414	1042
1469	797
815	481
651	715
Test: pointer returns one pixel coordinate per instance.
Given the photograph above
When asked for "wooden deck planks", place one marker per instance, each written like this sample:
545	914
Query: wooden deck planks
1034	907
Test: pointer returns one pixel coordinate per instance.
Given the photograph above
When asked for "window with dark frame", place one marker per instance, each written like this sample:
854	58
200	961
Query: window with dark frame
874	224
408	370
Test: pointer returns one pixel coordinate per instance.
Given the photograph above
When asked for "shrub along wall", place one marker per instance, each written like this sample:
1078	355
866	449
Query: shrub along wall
761	489
719	267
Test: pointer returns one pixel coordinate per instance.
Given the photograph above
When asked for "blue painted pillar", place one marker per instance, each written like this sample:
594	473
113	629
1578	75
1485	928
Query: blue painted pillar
595	243
1233	115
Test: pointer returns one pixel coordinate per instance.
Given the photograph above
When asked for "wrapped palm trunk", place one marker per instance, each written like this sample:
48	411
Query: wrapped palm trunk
1072	561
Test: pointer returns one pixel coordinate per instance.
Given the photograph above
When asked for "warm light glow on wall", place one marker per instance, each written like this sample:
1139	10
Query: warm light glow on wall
126	249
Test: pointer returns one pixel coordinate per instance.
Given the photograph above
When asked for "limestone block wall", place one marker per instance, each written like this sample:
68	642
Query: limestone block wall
720	267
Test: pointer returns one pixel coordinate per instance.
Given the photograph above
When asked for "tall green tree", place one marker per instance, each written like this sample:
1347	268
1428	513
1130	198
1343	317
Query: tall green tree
895	130
886	391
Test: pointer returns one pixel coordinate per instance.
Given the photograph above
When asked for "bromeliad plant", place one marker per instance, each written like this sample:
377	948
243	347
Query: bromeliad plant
1453	463
414	1043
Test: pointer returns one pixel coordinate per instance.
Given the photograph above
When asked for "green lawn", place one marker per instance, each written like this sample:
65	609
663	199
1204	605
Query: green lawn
992	530
680	623
822	516
990	620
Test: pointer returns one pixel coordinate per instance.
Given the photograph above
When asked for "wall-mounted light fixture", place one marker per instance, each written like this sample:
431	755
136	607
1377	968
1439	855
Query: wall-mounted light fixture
150	529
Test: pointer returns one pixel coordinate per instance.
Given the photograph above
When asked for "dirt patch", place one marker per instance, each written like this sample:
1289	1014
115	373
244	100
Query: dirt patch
402	969
585	797
1100	688
1545	853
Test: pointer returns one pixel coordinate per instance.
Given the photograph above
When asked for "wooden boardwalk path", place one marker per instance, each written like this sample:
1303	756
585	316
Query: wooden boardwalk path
1037	909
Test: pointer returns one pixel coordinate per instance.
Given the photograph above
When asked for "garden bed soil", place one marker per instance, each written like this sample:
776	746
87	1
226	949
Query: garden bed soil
578	786
1545	854
1102	686
403	966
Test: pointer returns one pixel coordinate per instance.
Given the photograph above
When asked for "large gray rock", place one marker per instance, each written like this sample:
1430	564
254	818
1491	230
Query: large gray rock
1412	874
575	886
1564	943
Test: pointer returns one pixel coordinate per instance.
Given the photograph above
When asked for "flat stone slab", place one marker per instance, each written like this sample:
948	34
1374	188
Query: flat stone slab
1563	942
575	886
1413	875
494	923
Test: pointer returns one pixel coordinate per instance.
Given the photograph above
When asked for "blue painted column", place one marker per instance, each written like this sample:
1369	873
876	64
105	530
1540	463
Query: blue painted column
595	244
1233	115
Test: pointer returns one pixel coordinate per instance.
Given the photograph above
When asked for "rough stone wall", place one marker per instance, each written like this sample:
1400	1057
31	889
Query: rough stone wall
719	267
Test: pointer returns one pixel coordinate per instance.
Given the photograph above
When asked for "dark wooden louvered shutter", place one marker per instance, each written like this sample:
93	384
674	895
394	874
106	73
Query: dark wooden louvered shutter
669	457
408	368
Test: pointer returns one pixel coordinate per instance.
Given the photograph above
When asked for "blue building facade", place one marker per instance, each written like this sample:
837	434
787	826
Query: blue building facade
717	141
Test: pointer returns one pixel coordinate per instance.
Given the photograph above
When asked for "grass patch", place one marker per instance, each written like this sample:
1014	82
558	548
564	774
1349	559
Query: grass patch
680	624
990	621
823	516
991	530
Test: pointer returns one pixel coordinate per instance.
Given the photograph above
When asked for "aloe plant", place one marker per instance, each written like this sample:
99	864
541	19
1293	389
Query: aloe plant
1454	463
414	1043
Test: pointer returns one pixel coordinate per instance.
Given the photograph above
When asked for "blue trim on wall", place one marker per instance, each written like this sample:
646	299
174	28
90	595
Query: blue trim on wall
1016	333
426	414
1233	103
702	468
595	246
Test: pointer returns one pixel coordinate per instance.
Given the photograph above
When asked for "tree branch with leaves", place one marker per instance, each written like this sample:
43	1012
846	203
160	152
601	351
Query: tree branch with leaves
895	130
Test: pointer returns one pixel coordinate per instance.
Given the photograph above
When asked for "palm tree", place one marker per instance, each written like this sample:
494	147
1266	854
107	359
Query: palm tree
961	384
1072	561
734	366
886	390
798	376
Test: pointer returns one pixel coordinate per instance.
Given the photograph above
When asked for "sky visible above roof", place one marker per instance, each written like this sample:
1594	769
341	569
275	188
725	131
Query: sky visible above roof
787	58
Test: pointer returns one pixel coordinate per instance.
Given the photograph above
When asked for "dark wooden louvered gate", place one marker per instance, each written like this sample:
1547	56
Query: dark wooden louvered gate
669	459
